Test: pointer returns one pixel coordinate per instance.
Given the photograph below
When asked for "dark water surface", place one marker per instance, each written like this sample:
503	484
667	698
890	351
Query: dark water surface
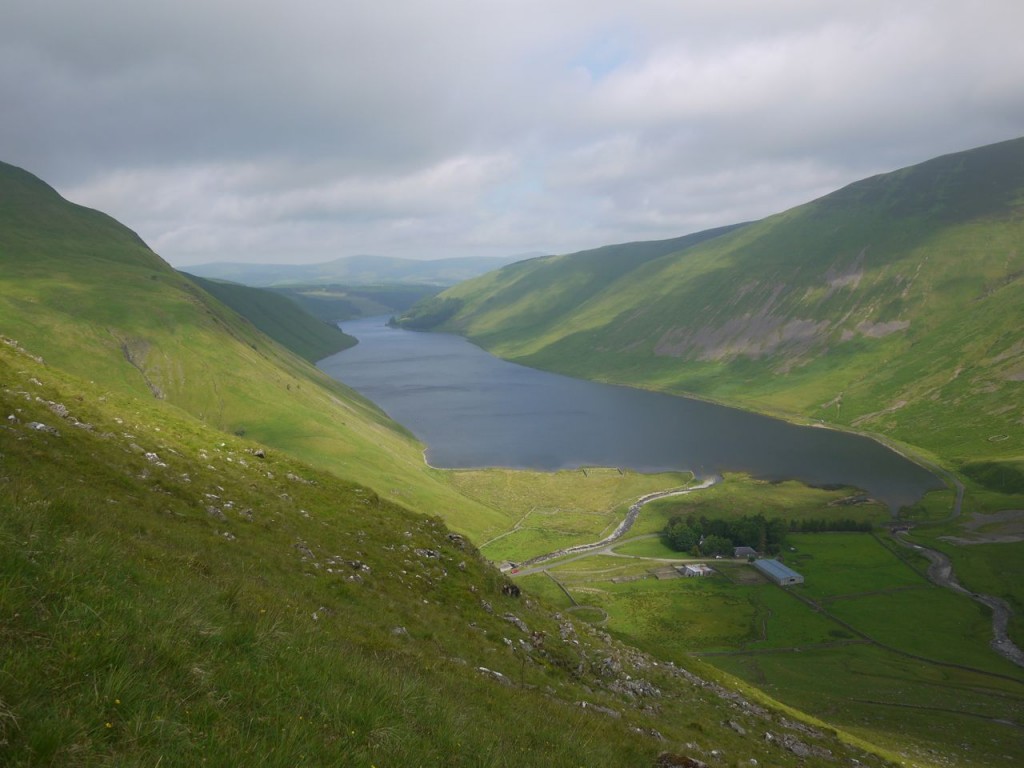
475	410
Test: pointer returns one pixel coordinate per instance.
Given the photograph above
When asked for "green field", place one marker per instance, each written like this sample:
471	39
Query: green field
544	511
866	620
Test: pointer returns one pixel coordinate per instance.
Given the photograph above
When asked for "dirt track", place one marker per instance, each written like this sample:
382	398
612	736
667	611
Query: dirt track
940	572
529	566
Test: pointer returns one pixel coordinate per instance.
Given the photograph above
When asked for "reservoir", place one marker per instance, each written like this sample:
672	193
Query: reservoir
472	409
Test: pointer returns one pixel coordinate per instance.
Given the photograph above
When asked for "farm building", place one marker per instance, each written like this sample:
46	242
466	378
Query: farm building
744	552
695	569
778	572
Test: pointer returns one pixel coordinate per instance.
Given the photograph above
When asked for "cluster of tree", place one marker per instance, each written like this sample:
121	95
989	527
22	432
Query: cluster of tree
706	537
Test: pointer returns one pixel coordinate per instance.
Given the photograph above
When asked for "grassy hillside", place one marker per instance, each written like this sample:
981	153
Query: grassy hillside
537	295
87	295
280	318
171	596
210	553
892	306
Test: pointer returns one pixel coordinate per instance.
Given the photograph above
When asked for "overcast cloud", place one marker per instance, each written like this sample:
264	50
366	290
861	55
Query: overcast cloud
305	130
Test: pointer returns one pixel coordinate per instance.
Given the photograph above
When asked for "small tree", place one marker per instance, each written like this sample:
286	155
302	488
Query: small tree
716	545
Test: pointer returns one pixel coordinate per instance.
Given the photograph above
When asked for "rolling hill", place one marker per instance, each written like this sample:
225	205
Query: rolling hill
354	270
280	318
212	553
85	293
892	306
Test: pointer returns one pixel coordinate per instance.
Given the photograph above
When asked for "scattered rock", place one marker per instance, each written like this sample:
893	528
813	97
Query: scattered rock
494	675
322	612
736	727
598	708
635	688
400	632
58	408
800	749
510	590
152	458
40	427
670	760
610	667
648	732
215	513
511	618
457	540
432	554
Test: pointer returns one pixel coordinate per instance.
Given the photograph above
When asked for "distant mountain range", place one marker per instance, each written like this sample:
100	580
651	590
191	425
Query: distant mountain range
355	270
894	305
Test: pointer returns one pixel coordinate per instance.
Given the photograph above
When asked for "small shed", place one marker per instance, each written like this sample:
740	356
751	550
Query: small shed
695	569
777	572
744	552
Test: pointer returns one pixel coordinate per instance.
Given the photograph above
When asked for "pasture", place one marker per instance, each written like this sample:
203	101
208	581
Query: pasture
867	642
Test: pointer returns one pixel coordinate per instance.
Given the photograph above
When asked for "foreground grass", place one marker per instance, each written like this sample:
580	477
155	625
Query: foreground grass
168	596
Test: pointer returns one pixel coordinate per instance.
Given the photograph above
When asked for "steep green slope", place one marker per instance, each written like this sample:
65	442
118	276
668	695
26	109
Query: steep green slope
530	298
893	306
86	294
279	318
175	596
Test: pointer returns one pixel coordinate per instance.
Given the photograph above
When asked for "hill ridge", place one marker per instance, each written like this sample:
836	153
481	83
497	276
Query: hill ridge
857	309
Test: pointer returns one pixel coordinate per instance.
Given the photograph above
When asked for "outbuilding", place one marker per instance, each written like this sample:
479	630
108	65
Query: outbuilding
777	572
744	552
695	569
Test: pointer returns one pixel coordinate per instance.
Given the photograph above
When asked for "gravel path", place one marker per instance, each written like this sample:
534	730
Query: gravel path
622	529
940	572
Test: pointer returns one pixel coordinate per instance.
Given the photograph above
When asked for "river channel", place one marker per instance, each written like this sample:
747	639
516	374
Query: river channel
472	409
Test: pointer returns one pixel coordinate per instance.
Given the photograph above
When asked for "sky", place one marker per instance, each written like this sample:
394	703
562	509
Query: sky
307	130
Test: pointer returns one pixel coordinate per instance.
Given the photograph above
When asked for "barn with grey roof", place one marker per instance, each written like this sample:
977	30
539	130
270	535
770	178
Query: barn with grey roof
777	572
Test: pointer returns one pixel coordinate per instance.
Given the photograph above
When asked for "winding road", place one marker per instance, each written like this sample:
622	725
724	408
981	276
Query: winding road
528	566
940	572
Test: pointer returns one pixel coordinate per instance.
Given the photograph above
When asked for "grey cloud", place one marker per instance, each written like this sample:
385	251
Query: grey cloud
312	129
